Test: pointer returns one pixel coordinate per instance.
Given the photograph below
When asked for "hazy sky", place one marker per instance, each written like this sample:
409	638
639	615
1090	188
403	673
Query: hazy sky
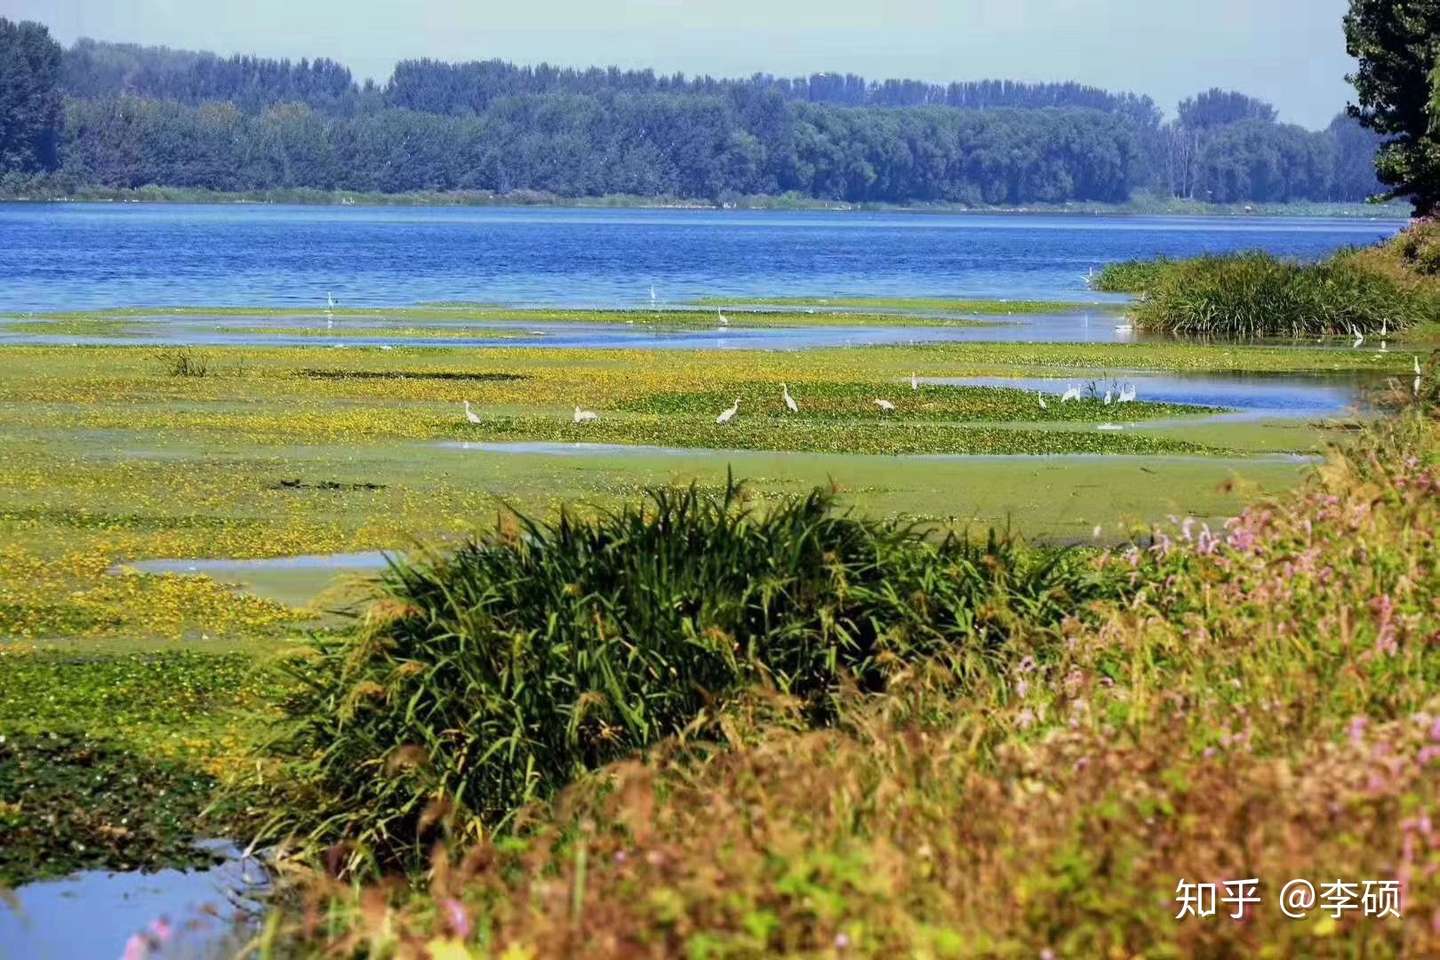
1290	52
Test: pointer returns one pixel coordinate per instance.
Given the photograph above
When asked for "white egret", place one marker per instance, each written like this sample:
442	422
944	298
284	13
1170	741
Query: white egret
729	414
724	320
1108	398
885	405
789	400
1415	363
1041	396
914	381
1384	327
471	415
1127	393
585	416
1359	337
1072	392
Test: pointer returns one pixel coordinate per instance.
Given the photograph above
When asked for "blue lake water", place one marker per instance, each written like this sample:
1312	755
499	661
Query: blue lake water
77	256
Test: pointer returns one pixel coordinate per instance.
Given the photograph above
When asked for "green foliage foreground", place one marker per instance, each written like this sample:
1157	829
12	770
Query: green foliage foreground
494	676
1260	703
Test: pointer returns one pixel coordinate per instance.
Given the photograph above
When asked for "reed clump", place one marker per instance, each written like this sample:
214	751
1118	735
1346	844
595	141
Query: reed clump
1378	291
506	670
1131	276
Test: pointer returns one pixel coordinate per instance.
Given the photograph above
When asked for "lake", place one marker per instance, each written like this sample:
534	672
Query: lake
88	256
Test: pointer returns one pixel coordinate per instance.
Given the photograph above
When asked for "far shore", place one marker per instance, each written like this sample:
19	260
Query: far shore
1140	206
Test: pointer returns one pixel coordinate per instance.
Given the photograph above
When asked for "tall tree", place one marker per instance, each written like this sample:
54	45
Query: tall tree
1217	108
1397	83
30	104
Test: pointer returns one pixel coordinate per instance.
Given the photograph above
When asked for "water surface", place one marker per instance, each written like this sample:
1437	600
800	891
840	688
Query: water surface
86	256
91	914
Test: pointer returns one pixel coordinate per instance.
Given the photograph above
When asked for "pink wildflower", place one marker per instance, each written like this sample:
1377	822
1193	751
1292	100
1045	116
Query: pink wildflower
137	947
1357	730
457	920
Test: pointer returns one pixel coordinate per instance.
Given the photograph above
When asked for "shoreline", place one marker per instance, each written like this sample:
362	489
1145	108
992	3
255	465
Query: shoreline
1141	207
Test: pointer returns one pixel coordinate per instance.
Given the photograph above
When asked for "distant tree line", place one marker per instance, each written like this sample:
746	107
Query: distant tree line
134	116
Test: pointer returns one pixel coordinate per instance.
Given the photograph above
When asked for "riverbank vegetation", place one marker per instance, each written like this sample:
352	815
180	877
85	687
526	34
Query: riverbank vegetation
1252	700
1378	292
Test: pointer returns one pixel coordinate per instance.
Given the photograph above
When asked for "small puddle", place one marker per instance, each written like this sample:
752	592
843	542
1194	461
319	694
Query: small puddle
365	561
91	915
1246	398
292	581
556	449
1097	327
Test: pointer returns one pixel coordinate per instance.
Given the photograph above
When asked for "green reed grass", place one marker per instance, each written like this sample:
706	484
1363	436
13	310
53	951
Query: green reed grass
492	677
1132	276
1253	295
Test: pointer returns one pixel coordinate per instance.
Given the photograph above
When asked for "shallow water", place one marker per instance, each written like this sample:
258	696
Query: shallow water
84	256
1246	397
90	915
362	562
1096	327
293	581
557	449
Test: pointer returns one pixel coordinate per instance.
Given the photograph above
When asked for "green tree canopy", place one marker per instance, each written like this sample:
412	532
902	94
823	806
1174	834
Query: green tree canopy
1397	83
30	104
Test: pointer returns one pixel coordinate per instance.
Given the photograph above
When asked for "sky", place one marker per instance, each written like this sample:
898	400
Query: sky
1290	52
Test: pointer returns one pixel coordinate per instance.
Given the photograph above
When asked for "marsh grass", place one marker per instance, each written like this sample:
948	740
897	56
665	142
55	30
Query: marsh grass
1251	296
1132	276
493	677
185	362
1260	702
1375	291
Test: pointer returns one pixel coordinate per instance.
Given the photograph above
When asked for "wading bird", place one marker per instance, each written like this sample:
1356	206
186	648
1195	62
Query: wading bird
789	400
1127	393
471	415
914	381
724	320
1415	363
1108	398
729	414
1072	392
1359	337
1041	396
885	405
585	416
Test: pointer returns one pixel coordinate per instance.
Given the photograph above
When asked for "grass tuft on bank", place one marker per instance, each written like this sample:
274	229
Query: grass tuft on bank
494	677
1378	291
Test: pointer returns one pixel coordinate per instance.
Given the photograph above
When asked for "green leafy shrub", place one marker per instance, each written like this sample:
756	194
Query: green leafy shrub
496	675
